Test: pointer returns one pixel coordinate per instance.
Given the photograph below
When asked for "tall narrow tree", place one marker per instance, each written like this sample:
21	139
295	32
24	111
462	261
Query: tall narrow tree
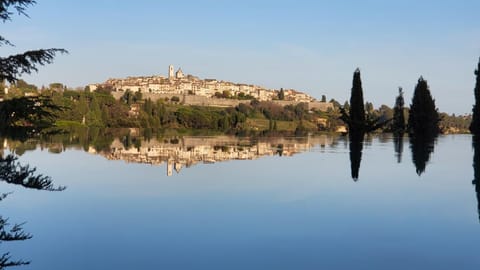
357	109
475	125
398	124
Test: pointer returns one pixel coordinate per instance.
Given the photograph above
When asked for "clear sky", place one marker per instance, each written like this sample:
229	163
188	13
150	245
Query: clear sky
312	46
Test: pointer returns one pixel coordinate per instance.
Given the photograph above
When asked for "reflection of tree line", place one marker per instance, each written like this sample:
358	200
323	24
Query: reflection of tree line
12	172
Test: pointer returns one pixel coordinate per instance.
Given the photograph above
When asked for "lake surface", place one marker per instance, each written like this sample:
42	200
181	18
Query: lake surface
187	202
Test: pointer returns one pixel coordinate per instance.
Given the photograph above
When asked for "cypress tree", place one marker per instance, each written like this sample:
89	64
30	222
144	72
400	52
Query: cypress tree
422	125
424	117
357	109
475	125
398	125
355	118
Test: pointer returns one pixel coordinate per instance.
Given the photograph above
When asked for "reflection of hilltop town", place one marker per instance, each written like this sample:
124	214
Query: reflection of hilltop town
188	151
196	91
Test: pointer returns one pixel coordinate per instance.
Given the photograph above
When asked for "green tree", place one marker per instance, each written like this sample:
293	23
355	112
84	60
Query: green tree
281	94
423	118
138	96
11	67
475	125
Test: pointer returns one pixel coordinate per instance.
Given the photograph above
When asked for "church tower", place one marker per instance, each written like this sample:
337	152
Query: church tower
171	72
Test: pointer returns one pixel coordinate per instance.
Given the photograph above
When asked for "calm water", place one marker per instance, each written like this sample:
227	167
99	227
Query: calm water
227	203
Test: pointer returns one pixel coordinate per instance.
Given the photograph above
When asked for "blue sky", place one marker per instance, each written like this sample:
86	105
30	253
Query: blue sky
313	46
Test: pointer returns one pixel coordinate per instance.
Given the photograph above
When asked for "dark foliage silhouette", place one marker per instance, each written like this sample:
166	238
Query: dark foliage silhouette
32	111
423	118
423	125
355	117
398	145
11	67
398	123
475	125
356	147
14	173
422	147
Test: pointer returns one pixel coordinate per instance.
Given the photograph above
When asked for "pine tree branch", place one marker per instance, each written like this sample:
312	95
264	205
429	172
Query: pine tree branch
19	5
13	66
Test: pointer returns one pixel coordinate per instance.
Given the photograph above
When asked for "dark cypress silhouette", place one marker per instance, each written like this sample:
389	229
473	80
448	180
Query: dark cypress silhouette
354	117
476	169
475	125
357	108
422	125
423	118
398	124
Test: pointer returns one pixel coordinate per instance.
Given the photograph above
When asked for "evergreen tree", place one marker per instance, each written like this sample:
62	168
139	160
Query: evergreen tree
355	118
423	119
475	125
281	94
357	109
398	125
11	67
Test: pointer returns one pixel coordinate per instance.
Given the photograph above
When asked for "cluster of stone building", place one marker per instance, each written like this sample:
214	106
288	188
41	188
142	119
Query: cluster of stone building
180	84
189	151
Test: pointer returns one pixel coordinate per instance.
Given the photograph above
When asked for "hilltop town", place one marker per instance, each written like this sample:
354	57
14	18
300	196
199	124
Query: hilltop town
196	91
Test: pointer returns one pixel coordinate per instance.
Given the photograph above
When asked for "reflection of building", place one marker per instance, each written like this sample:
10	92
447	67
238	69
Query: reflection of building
188	151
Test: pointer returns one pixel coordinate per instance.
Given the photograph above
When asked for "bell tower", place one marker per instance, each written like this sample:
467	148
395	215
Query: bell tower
171	72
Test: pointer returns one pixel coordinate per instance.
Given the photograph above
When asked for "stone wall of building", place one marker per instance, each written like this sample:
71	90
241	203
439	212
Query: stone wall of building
195	100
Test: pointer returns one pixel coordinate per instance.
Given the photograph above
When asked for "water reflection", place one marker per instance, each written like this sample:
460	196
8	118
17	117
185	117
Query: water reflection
14	173
175	151
476	169
356	146
422	146
398	145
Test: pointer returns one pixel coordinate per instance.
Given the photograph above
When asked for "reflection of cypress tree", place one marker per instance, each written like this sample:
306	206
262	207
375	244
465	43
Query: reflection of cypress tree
398	144
355	119
475	125
476	169
422	147
422	125
356	146
398	125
